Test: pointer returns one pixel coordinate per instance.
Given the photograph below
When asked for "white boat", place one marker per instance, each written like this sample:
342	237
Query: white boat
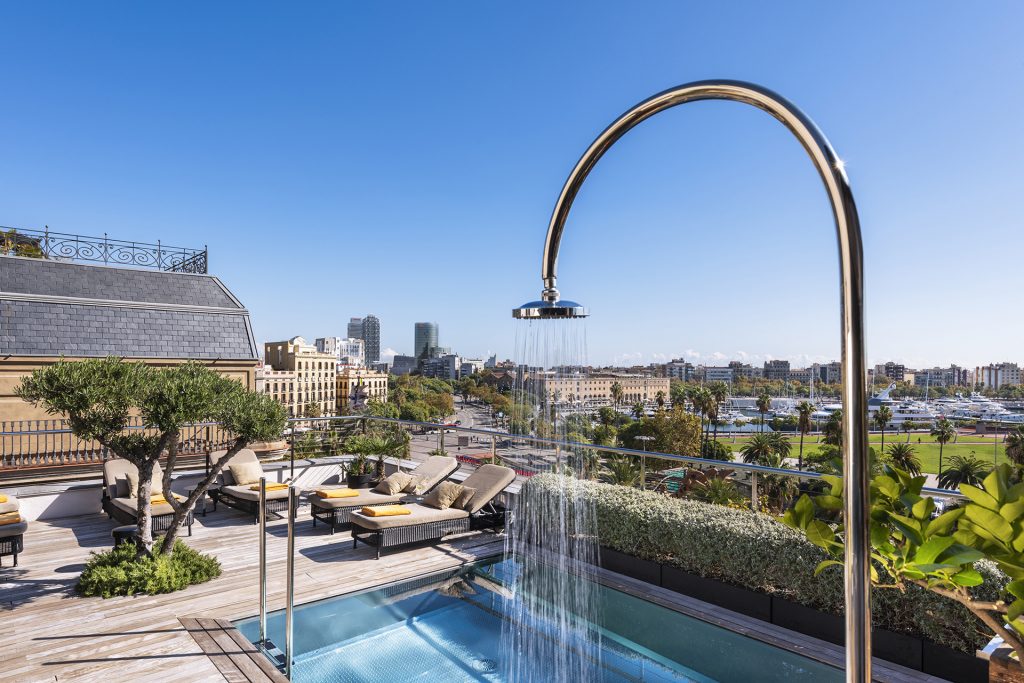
902	411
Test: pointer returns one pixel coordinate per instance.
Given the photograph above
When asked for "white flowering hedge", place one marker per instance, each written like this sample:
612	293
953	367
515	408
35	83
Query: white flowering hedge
754	551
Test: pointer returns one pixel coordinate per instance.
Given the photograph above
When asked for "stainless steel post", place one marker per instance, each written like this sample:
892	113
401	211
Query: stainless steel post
830	169
494	449
643	472
754	497
263	559
289	644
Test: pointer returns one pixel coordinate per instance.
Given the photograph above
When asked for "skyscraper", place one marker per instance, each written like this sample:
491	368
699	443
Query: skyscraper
371	335
355	328
425	339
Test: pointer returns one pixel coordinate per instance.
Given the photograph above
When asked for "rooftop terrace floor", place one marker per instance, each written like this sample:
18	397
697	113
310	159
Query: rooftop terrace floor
48	633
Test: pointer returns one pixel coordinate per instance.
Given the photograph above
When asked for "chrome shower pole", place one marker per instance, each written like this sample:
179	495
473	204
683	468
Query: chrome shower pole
289	643
844	211
263	560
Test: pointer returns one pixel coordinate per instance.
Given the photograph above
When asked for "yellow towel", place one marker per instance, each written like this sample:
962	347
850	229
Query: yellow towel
337	493
270	487
158	498
3	498
386	511
9	518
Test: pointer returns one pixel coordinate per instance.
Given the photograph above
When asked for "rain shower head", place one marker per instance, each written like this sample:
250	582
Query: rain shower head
545	310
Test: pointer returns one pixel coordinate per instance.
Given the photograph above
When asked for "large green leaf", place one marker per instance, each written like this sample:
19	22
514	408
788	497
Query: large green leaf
961	554
967	577
910	528
989	521
820	534
1013	511
1016	588
835	483
829	502
923	508
980	497
944	522
932	548
803	511
825	564
995	485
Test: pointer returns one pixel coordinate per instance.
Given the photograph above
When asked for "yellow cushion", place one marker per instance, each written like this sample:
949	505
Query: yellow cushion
158	498
386	511
10	518
270	487
337	493
3	498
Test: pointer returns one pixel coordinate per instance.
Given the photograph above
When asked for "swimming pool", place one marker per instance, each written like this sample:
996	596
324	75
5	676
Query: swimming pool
448	627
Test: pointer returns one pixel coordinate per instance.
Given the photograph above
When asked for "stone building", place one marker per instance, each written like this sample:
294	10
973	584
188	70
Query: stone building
357	386
315	375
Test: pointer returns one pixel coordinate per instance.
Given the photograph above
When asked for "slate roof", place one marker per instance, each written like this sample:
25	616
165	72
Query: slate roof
52	308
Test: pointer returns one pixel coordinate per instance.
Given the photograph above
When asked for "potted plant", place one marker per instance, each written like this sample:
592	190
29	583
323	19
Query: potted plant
359	474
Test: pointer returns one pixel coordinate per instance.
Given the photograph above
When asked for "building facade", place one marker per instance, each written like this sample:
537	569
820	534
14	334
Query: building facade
997	375
447	366
424	339
718	374
597	389
679	369
315	376
355	328
357	386
371	339
403	365
53	310
776	370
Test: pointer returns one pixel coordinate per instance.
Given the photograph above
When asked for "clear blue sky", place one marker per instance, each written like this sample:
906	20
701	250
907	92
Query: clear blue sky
403	159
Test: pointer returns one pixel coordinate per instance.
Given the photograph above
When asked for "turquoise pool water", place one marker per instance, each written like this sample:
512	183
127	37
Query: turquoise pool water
448	628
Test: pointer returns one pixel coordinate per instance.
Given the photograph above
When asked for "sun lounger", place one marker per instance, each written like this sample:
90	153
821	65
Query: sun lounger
12	528
335	511
245	495
120	502
426	523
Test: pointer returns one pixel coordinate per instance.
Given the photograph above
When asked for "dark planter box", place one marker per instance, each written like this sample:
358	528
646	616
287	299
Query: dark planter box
742	600
898	648
954	666
359	481
808	620
627	565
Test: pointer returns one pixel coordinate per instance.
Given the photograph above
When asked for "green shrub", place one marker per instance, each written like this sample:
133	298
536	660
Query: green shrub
118	572
754	551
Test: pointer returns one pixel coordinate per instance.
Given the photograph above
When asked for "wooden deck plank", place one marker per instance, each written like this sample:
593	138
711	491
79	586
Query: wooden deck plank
48	633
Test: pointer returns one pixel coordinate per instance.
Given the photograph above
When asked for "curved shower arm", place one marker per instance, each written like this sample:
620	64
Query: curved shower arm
833	175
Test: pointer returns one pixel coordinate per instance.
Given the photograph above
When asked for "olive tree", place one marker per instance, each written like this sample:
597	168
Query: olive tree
99	397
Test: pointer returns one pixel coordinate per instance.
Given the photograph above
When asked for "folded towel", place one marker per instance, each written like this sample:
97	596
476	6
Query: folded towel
9	518
3	498
270	487
386	511
158	498
337	493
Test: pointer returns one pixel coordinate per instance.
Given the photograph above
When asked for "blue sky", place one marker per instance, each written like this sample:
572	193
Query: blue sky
403	159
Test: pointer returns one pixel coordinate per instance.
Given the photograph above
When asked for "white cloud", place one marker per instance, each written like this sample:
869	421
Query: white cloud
388	354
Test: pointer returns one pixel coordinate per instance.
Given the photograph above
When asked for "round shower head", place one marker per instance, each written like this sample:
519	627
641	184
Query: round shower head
537	310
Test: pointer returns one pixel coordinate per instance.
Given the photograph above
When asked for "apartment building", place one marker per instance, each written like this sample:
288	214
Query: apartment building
356	386
315	375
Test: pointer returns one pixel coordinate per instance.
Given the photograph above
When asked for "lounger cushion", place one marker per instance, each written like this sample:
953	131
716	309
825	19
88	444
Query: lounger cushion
444	495
393	484
8	530
488	480
131	506
434	469
416	485
225	478
420	514
245	493
462	502
245	473
365	497
10	506
132	477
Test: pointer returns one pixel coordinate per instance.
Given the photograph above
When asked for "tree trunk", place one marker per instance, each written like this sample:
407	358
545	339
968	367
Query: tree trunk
800	457
181	510
883	440
144	518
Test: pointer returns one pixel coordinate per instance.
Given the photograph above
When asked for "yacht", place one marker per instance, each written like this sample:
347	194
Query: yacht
902	411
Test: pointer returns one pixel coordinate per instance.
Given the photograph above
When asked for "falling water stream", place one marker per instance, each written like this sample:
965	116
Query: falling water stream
549	634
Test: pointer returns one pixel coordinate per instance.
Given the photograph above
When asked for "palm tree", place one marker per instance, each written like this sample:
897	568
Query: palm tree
901	456
883	416
781	444
963	470
660	399
622	470
638	410
1015	445
943	431
834	429
758	449
719	392
701	400
908	426
804	410
764	404
616	393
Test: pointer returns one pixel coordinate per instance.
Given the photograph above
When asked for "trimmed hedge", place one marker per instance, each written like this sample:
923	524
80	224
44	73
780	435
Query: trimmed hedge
118	572
754	551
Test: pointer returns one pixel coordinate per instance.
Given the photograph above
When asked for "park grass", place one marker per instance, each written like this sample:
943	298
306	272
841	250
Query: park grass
927	450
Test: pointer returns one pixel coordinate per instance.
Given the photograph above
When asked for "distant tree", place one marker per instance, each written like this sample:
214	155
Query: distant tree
719	393
834	429
901	456
312	410
757	449
639	410
623	470
606	415
701	399
804	411
660	399
11	244
963	470
764	404
1015	445
617	393
883	416
944	432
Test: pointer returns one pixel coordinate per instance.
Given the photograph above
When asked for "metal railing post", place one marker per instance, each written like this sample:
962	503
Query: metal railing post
494	449
754	497
263	560
643	472
289	644
292	449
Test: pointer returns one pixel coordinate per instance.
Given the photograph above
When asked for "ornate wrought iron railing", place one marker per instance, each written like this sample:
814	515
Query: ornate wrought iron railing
63	246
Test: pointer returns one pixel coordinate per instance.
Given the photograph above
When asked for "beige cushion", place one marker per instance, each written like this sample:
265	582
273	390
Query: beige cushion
132	479
8	530
420	514
243	492
416	485
396	483
225	478
131	506
365	497
114	469
434	469
488	480
10	506
462	502
245	473
443	496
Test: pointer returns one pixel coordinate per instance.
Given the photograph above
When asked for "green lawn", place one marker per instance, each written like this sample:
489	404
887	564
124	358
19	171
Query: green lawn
927	450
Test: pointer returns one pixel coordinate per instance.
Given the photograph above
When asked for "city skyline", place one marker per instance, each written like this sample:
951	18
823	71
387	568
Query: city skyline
705	232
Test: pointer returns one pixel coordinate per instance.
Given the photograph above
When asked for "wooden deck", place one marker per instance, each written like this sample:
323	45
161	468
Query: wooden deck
47	633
